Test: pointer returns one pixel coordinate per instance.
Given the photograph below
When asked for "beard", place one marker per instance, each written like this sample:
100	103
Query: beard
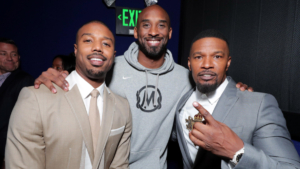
207	88
154	53
95	74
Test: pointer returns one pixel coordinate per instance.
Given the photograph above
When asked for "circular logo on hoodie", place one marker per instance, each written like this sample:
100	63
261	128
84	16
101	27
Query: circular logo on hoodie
148	99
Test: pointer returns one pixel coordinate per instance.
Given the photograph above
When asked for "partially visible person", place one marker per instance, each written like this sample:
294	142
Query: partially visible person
87	127
12	80
57	63
241	129
63	62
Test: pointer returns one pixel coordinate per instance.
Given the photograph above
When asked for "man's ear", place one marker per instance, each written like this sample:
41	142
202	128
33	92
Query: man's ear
135	32
228	62
115	53
189	63
75	49
170	32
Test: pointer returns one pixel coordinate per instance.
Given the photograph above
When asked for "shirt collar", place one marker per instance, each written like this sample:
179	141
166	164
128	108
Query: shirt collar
5	75
84	87
214	96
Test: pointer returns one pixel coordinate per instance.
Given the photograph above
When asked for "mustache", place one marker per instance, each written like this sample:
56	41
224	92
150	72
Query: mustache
207	72
99	54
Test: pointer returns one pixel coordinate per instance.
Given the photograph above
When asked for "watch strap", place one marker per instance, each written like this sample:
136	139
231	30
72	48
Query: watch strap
237	156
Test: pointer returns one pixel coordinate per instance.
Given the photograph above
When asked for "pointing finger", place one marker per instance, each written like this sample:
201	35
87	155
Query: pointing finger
207	116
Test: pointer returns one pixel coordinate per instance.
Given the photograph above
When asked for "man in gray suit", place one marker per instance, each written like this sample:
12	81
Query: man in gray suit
240	129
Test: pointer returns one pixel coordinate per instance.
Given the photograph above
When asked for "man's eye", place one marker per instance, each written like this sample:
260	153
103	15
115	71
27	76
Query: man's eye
106	44
88	40
218	56
2	53
57	68
198	57
146	25
162	25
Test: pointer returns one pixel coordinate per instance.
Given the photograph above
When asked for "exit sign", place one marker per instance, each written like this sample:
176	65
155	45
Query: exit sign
126	20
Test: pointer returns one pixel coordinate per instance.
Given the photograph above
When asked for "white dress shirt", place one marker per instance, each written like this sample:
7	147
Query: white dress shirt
209	102
85	89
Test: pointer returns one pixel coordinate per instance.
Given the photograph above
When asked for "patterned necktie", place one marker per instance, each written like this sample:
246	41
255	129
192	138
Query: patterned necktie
94	118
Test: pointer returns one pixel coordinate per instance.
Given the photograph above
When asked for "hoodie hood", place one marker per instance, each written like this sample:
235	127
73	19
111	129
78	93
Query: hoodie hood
131	56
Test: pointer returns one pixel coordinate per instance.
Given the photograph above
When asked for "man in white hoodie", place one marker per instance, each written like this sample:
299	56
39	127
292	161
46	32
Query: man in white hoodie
147	76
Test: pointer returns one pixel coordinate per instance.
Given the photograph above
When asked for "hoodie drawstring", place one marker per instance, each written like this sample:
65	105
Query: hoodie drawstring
146	94
155	92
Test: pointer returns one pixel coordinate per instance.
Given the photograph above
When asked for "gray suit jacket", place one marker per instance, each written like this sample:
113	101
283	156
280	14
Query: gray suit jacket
257	120
52	131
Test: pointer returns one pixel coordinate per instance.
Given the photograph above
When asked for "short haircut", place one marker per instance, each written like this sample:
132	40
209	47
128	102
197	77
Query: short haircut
93	21
210	33
9	41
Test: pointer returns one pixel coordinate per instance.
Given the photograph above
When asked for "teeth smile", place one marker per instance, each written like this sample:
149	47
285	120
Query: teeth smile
154	41
97	59
207	75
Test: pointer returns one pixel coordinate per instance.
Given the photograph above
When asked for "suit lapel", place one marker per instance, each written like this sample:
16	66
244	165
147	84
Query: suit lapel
74	99
179	131
106	125
226	101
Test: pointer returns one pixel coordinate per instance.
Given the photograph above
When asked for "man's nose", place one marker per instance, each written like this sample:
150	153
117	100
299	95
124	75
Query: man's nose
9	57
153	31
97	47
207	63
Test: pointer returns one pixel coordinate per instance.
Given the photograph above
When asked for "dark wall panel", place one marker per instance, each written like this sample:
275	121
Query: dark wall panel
264	42
294	81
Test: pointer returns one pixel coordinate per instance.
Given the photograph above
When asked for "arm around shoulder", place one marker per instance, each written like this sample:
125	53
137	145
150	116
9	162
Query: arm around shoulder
271	143
25	144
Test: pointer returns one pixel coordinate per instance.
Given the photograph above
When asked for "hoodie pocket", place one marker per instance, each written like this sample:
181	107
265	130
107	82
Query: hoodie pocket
148	159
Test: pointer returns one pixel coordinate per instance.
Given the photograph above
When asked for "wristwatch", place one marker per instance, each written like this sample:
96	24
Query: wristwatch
237	156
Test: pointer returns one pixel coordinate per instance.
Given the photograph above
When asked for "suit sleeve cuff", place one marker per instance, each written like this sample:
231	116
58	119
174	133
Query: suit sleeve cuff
250	158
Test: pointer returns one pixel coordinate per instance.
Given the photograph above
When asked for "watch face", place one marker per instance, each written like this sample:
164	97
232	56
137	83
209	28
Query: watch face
238	157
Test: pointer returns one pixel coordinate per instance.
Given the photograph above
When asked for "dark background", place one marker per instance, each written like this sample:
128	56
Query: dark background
43	29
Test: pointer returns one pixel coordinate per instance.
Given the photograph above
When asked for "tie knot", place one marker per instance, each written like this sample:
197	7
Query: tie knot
95	93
